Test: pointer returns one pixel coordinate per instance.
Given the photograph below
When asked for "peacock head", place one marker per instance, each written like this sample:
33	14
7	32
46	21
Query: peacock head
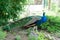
43	13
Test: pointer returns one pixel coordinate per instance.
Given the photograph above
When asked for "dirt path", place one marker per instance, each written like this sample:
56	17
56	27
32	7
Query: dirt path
10	37
25	37
22	34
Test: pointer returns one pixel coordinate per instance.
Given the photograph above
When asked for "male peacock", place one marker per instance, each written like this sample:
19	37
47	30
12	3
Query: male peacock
38	22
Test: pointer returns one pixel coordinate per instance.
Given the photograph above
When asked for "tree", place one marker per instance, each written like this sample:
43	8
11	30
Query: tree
49	4
59	3
9	9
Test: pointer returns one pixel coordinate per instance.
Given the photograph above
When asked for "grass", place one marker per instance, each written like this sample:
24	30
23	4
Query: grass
2	35
52	24
18	37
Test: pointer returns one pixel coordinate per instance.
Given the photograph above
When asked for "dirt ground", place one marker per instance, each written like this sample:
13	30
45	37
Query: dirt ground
23	35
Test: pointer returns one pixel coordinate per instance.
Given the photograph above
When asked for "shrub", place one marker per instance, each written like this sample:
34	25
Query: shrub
6	28
51	29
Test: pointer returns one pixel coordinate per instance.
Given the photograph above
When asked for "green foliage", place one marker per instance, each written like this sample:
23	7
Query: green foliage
30	2
51	29
2	35
52	25
44	25
41	36
9	9
6	28
18	37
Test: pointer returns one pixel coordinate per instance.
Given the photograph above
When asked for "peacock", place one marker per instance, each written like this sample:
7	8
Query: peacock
25	23
41	20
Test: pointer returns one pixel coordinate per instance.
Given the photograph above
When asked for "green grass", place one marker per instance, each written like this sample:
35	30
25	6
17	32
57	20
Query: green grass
18	37
2	35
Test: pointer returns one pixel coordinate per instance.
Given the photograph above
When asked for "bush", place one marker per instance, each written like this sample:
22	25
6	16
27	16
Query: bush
6	28
51	29
44	25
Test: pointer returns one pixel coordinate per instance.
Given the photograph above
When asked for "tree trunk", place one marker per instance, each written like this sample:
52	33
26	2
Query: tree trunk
49	4
59	3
